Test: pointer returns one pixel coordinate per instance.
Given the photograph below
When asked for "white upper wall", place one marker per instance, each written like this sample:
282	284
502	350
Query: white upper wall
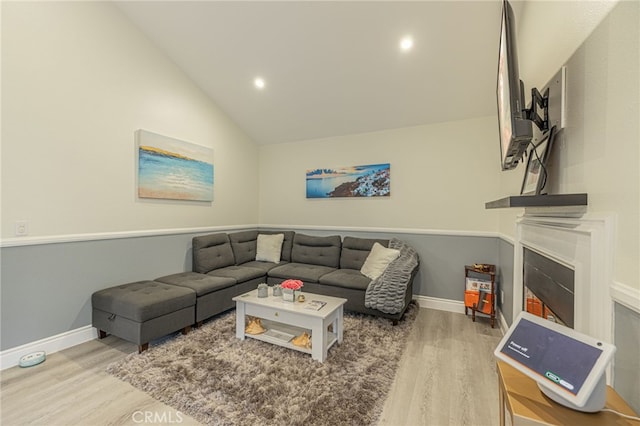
77	80
598	152
550	31
441	176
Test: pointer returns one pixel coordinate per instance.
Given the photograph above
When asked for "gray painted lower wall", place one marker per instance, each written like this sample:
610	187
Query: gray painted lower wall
505	279
46	288
626	369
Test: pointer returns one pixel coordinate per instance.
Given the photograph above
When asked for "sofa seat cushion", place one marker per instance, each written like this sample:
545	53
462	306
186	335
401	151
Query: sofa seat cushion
200	283
263	266
346	278
143	300
300	271
240	273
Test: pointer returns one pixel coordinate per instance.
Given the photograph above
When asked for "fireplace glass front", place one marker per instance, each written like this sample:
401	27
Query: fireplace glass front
548	288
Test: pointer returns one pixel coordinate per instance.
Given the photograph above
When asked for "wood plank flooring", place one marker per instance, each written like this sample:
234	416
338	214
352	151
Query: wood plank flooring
446	376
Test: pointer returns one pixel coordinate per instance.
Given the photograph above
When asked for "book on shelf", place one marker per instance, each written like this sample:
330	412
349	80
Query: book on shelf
280	335
315	305
477	284
485	302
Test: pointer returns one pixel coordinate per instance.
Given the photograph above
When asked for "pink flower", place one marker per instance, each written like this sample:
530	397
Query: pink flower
292	284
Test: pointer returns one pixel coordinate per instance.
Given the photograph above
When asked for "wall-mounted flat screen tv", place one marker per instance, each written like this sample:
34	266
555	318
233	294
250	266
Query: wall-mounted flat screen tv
515	129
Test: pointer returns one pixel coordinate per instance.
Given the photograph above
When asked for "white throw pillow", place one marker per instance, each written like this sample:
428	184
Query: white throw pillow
269	247
378	260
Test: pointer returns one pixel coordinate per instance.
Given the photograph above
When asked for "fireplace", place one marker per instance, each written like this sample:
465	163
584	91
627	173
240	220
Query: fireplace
548	288
581	248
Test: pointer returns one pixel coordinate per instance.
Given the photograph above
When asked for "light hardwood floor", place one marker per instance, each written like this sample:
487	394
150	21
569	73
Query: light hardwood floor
446	376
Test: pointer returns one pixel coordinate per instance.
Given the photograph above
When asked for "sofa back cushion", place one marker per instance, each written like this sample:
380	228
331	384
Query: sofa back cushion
322	251
212	252
244	246
356	250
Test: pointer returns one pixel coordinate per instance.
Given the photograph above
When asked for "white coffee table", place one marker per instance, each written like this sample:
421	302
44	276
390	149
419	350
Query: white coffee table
285	320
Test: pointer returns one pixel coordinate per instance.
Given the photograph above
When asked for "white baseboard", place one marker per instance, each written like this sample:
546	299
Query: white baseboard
49	345
440	304
455	306
502	322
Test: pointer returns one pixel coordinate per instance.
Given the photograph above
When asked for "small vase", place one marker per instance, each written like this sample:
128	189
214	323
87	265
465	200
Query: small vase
263	290
288	295
277	290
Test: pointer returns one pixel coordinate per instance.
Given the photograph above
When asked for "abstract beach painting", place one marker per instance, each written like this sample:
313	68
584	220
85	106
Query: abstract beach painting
372	180
172	169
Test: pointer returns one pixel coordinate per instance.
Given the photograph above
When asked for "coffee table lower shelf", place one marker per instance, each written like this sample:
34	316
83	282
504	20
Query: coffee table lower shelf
293	318
276	327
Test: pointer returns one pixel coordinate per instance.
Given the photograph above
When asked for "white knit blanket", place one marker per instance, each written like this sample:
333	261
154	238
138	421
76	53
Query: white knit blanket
387	292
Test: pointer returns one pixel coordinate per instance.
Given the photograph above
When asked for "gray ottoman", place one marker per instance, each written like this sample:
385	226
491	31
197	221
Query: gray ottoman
213	294
143	311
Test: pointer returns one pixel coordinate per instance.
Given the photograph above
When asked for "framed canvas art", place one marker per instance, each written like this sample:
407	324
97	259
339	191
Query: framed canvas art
372	180
172	169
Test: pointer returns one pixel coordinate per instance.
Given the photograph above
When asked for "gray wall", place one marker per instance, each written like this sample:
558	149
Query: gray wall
627	358
505	278
46	288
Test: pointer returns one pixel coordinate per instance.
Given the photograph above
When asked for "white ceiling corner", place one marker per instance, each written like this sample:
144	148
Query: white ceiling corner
331	68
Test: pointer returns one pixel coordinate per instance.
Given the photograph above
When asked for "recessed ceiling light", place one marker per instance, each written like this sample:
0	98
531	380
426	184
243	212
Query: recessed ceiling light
259	83
406	43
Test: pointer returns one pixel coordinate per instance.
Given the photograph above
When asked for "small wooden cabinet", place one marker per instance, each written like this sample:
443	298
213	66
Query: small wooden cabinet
482	296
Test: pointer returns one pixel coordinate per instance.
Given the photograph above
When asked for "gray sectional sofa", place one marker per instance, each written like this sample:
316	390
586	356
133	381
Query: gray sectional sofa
225	265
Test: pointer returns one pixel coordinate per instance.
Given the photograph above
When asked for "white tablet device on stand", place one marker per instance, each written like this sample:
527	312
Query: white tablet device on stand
568	366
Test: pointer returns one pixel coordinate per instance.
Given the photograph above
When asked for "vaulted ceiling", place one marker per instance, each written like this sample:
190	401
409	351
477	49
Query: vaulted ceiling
332	68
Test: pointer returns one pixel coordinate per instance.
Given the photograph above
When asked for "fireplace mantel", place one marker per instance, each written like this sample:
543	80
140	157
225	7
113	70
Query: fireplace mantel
584	244
548	200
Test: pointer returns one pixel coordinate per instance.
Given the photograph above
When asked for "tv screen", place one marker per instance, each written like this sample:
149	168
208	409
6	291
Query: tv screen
515	129
569	364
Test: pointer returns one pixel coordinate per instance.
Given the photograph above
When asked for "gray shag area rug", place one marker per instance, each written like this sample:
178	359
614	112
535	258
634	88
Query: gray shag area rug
218	379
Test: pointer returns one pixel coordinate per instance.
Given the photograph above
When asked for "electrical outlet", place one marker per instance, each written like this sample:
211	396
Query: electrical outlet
22	228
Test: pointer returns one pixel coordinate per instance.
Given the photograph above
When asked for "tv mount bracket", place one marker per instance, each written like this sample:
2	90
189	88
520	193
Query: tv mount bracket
539	100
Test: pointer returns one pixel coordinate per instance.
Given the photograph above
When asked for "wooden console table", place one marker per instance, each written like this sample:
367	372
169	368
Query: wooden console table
521	397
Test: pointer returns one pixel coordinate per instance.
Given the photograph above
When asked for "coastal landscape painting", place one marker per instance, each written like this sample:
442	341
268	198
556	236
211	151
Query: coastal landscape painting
172	169
372	180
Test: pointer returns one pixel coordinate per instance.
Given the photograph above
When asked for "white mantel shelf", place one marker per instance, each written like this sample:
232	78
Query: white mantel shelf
549	200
